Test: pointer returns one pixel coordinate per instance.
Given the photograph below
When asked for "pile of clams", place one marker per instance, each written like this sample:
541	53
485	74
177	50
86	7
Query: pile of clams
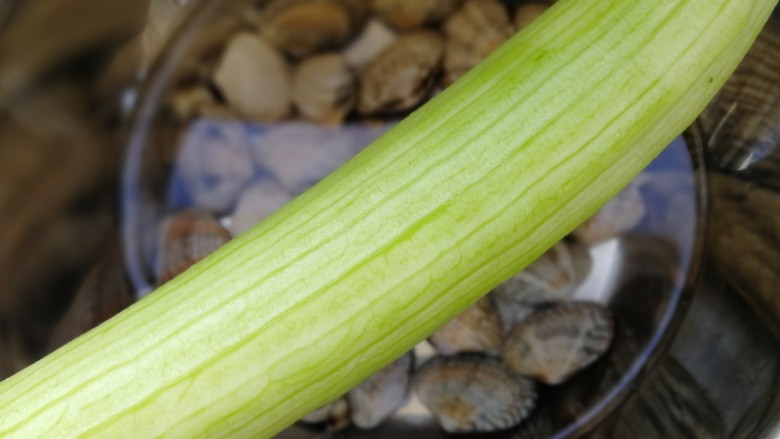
314	63
331	61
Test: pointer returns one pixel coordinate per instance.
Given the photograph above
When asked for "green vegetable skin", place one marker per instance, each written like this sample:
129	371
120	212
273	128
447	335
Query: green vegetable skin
458	197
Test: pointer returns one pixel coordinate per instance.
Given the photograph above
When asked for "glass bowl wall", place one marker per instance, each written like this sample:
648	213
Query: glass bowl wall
644	275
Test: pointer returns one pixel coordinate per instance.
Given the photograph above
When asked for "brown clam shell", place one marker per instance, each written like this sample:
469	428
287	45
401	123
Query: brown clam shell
553	344
411	14
324	88
383	393
478	329
527	13
335	414
185	239
473	33
553	277
302	27
471	393
402	75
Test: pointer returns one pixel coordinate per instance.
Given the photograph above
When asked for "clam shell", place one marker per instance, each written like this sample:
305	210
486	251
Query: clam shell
302	27
335	414
412	14
104	292
470	393
300	154
402	75
621	214
478	329
553	277
473	33
213	164
555	343
256	203
511	311
254	79
187	102
324	88
527	13
379	396
185	239
369	44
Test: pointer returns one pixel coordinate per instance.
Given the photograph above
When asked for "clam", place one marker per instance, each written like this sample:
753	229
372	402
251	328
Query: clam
375	37
185	239
379	396
301	154
553	277
473	33
103	293
510	311
471	393
402	75
335	414
478	329
188	101
555	343
214	163
253	78
324	88
256	203
619	215
528	12
302	27
407	15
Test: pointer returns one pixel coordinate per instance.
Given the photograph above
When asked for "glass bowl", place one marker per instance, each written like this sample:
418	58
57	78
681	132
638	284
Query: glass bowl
179	160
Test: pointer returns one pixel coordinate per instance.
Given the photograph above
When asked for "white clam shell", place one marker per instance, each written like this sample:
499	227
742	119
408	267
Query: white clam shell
215	163
256	203
301	154
254	78
369	44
